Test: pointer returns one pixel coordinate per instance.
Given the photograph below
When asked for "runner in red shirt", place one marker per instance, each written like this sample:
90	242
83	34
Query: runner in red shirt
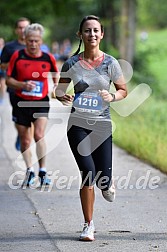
27	74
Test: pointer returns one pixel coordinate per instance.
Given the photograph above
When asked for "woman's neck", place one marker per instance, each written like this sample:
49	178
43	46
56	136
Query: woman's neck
91	59
91	55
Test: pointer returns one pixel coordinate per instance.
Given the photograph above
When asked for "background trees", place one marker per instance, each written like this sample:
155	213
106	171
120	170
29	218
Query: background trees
61	18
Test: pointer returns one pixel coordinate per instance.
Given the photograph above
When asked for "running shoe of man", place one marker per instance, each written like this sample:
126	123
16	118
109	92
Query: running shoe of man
43	178
17	144
29	178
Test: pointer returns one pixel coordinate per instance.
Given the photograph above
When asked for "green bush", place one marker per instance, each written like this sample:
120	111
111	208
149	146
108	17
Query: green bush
6	32
144	132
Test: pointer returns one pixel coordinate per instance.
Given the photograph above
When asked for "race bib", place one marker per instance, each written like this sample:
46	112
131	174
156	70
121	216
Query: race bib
37	91
88	102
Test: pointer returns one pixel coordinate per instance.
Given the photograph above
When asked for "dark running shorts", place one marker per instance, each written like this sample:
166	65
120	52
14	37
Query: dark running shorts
91	145
28	114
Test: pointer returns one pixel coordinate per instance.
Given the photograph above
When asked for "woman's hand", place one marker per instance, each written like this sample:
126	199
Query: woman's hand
107	97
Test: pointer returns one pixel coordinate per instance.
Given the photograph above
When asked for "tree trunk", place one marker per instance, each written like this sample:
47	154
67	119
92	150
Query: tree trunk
109	13
127	30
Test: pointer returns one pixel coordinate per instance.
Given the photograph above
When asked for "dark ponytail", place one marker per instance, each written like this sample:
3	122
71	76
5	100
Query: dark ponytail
90	17
79	47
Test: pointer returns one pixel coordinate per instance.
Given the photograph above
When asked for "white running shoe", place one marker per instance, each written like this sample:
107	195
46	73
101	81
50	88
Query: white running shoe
109	194
88	232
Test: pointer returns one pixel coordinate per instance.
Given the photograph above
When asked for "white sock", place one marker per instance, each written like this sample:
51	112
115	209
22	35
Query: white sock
31	169
42	169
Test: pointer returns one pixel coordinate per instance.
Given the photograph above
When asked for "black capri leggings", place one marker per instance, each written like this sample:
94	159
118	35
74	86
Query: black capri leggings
91	145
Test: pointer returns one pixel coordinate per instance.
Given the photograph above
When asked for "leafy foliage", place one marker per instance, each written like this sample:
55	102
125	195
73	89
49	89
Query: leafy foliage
152	13
34	10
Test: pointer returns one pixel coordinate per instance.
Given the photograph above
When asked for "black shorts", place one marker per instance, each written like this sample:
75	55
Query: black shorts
28	114
91	145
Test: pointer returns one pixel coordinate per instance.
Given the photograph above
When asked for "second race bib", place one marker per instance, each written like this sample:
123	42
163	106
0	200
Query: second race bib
37	91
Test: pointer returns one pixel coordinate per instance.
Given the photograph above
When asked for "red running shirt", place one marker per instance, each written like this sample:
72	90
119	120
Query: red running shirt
23	67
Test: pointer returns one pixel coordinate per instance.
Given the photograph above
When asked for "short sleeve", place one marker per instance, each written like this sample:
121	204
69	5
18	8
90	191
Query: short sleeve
11	70
115	70
65	67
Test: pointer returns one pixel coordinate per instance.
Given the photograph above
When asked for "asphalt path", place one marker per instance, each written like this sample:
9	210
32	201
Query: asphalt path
50	219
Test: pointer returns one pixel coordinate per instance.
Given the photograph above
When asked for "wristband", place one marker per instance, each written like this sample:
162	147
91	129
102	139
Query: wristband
113	97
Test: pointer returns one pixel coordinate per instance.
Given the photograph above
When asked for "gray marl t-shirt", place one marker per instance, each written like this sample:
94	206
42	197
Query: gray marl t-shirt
87	82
